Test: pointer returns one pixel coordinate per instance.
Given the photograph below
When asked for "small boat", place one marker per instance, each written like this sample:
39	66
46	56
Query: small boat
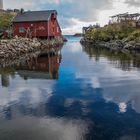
65	40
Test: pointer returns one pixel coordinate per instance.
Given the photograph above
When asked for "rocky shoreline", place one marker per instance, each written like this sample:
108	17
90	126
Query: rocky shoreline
20	46
121	45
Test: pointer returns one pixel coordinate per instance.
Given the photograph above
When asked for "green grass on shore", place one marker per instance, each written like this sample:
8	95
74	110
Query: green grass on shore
114	32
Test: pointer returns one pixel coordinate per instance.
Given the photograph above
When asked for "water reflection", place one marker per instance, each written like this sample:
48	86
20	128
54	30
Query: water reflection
34	66
15	77
122	88
43	67
49	128
126	61
81	99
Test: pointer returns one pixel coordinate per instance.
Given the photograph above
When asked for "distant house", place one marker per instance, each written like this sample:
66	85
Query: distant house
86	29
42	24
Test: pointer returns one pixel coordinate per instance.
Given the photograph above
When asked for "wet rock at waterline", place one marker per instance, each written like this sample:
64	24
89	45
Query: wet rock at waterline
114	44
19	46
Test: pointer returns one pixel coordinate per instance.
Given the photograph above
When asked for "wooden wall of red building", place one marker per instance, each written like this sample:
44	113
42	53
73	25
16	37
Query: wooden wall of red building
38	29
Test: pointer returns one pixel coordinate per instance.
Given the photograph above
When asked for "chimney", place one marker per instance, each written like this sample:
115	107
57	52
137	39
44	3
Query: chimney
22	11
1	4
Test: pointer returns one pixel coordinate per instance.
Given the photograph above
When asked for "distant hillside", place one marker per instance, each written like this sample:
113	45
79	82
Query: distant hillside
78	34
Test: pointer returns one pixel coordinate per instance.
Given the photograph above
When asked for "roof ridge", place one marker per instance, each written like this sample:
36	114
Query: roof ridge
43	15
40	11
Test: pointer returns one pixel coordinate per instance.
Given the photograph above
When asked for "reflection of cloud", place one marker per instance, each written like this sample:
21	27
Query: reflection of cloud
32	94
122	107
95	82
46	129
83	103
122	96
136	103
69	102
127	138
75	49
118	86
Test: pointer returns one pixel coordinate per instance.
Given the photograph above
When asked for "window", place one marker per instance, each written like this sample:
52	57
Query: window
31	28
21	29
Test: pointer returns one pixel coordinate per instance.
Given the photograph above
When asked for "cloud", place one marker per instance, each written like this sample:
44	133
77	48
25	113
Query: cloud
74	14
28	4
71	12
84	10
135	3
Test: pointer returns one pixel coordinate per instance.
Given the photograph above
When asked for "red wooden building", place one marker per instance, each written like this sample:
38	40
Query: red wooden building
41	24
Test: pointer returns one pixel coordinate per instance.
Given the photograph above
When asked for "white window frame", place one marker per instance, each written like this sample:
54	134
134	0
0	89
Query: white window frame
21	29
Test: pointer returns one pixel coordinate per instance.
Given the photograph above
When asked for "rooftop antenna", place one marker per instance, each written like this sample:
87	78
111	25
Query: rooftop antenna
1	4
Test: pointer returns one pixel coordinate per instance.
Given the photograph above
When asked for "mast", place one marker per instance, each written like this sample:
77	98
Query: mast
1	4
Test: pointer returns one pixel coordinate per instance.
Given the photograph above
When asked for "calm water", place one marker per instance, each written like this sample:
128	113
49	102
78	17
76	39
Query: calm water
77	94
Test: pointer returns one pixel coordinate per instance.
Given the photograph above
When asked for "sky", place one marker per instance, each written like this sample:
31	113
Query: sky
74	14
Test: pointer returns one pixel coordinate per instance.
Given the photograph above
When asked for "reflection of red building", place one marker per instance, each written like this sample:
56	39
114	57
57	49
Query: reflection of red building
44	67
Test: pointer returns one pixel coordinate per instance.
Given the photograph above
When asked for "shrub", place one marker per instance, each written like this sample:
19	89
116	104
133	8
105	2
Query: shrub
5	20
112	32
135	35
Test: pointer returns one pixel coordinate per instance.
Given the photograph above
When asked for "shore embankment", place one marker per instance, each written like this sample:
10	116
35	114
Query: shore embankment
123	37
122	45
20	46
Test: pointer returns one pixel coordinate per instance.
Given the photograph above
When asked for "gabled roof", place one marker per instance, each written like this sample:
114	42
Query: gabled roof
33	16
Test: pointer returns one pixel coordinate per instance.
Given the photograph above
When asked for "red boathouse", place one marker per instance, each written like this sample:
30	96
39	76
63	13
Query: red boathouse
42	24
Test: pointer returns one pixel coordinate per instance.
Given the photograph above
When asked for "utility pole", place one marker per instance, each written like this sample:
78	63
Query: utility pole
1	4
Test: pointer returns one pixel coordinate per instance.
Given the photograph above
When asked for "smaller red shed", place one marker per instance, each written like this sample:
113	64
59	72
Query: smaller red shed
41	24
